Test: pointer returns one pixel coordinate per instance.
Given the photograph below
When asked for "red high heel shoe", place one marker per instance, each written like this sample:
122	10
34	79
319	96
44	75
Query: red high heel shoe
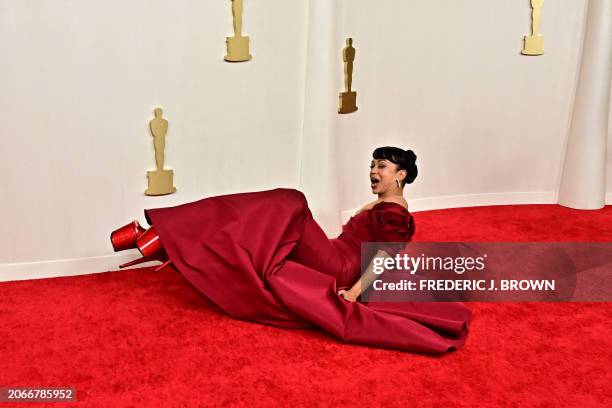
151	249
126	236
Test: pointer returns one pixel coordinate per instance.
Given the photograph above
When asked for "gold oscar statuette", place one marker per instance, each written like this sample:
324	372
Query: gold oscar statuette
237	46
160	180
534	43
348	98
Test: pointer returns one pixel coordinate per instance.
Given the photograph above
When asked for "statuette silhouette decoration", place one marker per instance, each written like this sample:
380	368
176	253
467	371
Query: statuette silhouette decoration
534	43
160	180
237	46
348	98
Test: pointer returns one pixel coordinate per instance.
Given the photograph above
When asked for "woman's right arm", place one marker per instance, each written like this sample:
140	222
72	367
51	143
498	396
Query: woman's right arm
365	281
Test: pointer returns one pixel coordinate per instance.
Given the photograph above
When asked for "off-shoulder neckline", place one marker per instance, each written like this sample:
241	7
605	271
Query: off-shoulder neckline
381	202
391	202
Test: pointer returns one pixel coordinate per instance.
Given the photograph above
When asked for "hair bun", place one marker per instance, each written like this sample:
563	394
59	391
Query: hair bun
410	156
411	166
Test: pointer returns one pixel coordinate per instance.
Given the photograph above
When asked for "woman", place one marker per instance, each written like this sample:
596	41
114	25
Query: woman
260	256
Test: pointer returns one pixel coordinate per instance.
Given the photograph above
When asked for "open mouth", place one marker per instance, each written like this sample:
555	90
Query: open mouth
374	181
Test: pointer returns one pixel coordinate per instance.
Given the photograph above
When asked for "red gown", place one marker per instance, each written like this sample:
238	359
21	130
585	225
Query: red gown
261	256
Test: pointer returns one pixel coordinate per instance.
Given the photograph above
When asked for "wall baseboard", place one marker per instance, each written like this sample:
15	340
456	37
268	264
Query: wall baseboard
473	200
65	267
83	266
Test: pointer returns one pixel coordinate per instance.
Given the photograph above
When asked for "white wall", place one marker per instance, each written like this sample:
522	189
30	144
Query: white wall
80	80
446	78
609	168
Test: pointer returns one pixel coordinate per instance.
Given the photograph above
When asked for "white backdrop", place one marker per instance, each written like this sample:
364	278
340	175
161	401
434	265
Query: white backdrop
446	79
80	80
583	182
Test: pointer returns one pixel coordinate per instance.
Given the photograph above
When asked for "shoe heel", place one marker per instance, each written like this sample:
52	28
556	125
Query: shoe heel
158	256
139	261
162	266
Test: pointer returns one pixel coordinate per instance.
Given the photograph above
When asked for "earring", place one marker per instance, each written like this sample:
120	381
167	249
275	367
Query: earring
398	184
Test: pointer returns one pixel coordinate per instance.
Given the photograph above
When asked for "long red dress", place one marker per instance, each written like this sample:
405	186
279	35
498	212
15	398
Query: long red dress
261	256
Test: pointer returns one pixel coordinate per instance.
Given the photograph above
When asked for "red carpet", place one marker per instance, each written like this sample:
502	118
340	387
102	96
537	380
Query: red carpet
138	338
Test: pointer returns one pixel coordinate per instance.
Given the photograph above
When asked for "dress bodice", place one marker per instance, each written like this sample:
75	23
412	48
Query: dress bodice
385	222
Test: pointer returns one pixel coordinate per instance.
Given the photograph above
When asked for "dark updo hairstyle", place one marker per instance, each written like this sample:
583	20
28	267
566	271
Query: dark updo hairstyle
405	160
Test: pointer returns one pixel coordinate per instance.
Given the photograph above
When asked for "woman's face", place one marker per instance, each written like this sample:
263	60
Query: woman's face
383	174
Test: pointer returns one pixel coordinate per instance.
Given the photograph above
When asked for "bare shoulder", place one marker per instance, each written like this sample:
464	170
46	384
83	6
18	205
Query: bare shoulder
398	200
368	206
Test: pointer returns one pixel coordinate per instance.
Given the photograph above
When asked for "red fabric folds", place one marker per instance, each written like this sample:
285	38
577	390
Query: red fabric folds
391	224
260	256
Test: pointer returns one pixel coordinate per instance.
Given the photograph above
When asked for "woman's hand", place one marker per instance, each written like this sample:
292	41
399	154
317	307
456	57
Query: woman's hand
349	295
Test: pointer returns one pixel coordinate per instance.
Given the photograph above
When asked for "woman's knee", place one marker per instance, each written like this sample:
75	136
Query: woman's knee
295	196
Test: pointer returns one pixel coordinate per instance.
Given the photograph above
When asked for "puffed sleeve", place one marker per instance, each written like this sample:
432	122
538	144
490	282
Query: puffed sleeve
391	223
